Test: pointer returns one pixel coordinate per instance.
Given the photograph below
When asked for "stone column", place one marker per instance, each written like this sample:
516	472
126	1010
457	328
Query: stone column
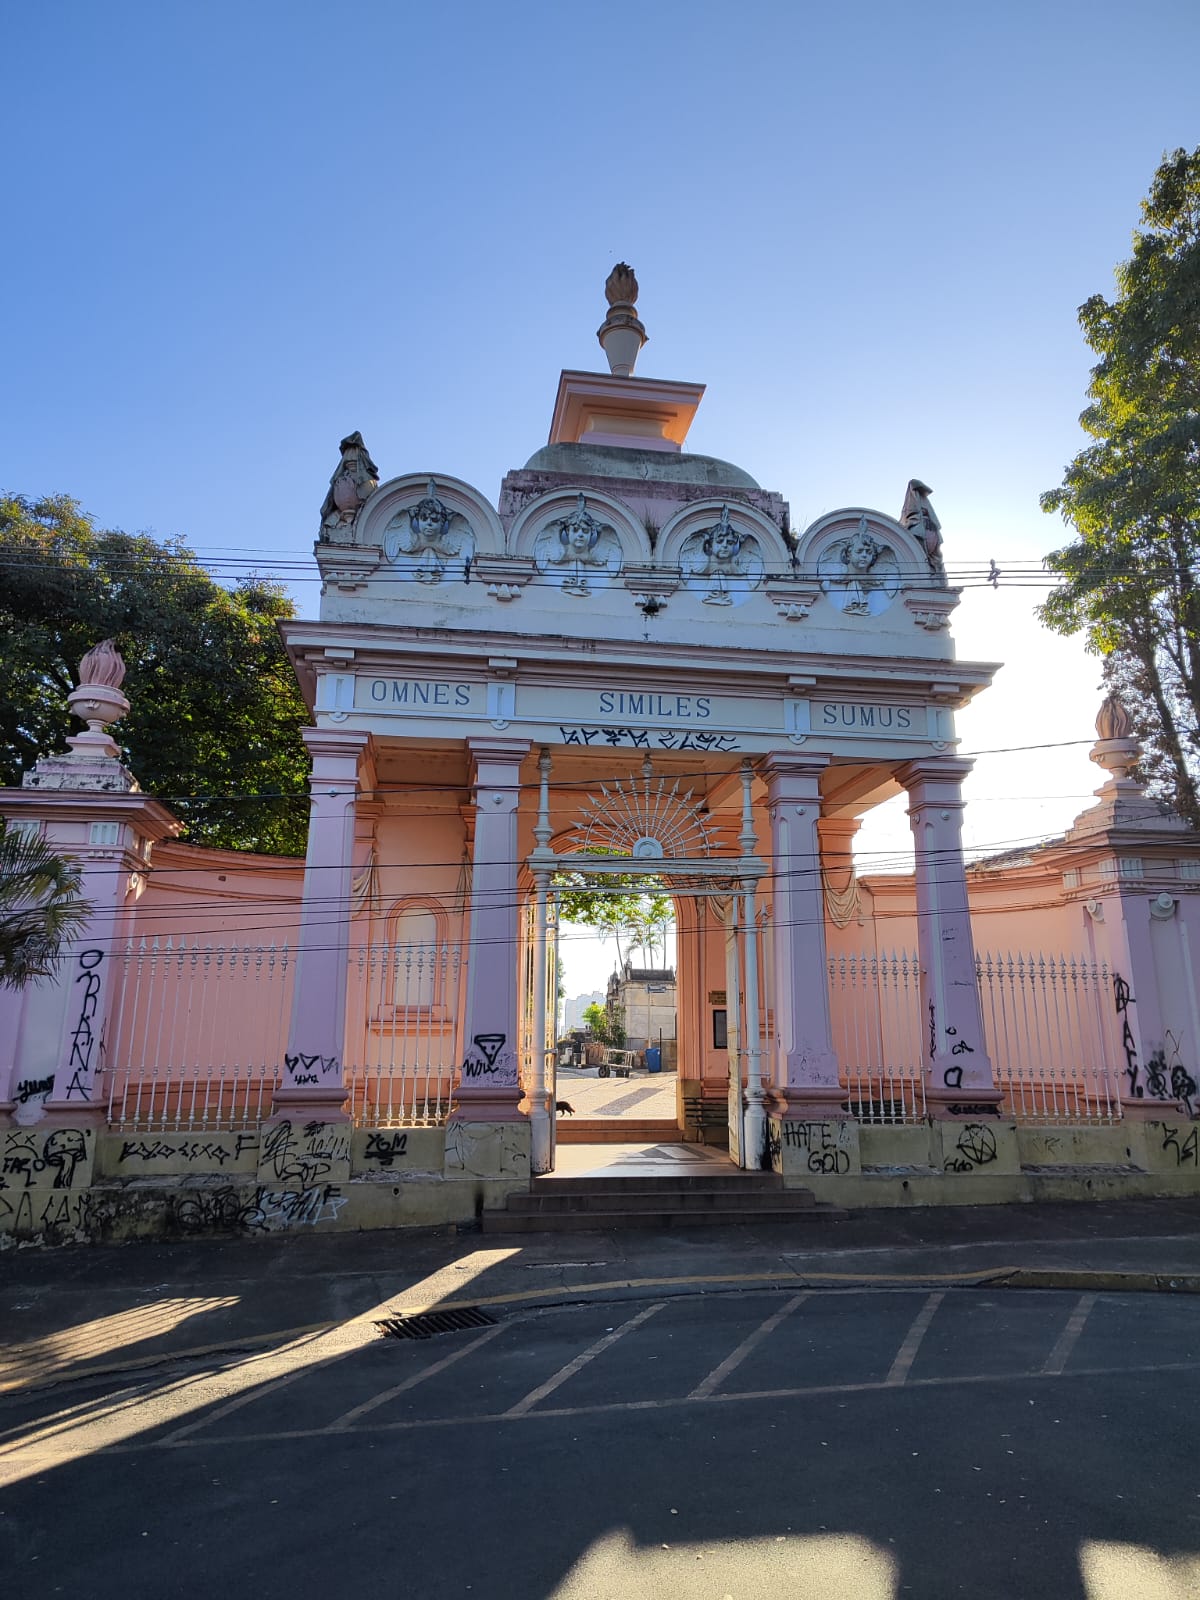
490	1087
312	1083
958	1069
806	1068
59	1025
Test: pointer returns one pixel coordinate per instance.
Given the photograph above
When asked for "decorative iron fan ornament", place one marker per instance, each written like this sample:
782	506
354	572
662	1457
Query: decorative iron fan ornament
645	818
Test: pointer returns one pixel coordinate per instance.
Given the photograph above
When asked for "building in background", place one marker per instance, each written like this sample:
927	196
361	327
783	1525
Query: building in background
642	999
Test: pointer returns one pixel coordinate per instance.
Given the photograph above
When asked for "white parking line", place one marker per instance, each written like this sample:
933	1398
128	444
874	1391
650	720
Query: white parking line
1069	1337
907	1352
411	1382
580	1361
735	1358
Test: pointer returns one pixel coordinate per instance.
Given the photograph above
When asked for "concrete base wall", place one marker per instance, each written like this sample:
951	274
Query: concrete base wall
77	1184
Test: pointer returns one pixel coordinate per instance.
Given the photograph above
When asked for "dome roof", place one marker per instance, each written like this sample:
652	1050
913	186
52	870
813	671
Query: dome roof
610	461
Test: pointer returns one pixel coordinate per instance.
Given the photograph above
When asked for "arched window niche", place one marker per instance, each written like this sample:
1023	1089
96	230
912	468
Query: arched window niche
420	984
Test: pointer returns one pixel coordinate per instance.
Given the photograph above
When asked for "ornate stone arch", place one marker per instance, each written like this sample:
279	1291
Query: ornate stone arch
723	551
469	511
618	540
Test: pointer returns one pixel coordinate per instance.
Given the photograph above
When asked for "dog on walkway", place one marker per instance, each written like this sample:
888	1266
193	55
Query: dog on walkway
564	1108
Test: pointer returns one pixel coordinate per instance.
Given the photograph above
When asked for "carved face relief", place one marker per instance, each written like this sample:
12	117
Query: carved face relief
577	551
722	563
859	573
428	542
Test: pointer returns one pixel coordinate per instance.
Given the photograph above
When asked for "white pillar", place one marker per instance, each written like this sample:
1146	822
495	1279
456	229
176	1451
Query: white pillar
312	1081
754	1123
958	1069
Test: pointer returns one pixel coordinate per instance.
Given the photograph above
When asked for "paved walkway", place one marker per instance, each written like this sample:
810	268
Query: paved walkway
644	1095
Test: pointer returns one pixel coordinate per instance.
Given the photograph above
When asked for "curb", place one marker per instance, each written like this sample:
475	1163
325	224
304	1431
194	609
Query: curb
551	1298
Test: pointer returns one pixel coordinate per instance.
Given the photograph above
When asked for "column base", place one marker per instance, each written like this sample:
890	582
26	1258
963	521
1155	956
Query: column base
326	1104
809	1102
75	1114
488	1103
947	1104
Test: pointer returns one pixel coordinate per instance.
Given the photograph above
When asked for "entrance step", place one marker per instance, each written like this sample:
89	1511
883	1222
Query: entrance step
569	1204
616	1130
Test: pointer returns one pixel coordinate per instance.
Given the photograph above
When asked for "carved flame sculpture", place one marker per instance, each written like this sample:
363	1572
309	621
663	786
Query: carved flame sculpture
102	667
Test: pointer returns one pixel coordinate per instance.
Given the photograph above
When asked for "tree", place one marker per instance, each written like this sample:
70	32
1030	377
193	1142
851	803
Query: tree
215	719
40	905
604	1026
1133	495
628	907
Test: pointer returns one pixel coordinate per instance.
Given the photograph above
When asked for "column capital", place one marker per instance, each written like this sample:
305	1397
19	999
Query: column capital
934	769
335	743
502	752
786	763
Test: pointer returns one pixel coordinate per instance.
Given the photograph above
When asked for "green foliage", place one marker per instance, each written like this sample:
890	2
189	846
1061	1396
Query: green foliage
628	907
40	906
604	1026
1133	495
215	719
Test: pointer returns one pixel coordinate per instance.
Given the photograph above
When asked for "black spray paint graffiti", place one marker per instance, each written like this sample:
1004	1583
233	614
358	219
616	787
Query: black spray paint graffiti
932	1031
643	739
32	1089
1183	1085
309	1069
973	1109
1187	1153
385	1148
952	1076
825	1157
485	1060
308	1154
60	1211
202	1152
214	1211
976	1147
28	1156
1124	1000
267	1211
83	1037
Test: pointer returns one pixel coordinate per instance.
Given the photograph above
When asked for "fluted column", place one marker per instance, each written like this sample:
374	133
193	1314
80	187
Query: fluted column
806	1068
312	1082
957	1067
490	1087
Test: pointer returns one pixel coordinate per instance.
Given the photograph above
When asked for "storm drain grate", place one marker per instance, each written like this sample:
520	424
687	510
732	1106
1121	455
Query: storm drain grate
425	1324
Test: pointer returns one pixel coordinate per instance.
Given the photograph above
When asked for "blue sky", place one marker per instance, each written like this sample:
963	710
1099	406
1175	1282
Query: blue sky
237	232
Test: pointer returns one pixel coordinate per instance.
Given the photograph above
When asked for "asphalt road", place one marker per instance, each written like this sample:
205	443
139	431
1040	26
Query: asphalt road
868	1443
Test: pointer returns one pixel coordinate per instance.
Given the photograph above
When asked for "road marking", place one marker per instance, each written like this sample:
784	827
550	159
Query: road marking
907	1352
735	1358
1069	1337
411	1382
581	1361
550	1413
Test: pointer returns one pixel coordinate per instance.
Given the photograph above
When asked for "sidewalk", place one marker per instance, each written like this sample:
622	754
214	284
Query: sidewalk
73	1313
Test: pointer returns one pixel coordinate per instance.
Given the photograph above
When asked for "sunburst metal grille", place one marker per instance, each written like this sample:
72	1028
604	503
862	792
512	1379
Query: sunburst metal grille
647	818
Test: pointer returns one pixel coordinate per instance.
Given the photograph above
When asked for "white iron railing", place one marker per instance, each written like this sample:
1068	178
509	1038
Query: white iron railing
1047	1020
875	1013
198	1034
402	1033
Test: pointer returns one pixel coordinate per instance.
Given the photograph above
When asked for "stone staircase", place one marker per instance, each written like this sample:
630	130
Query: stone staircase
688	1200
616	1130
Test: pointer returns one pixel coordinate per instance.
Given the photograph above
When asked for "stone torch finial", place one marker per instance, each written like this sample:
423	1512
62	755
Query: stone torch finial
621	335
102	666
1117	749
1112	720
98	699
